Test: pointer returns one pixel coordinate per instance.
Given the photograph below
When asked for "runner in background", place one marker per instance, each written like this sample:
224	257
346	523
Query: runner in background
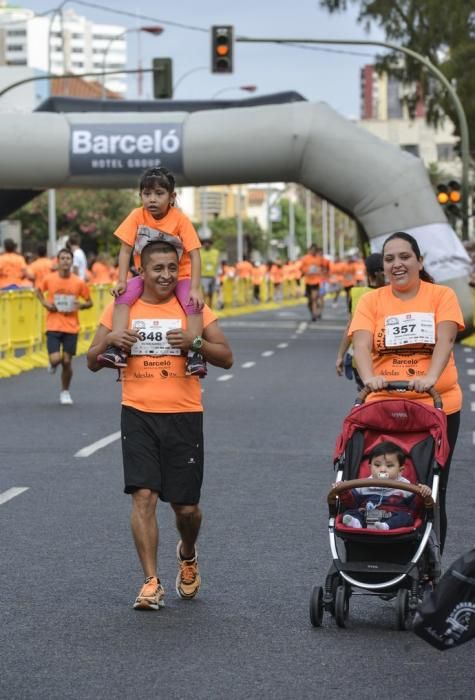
79	256
276	275
375	278
13	267
40	267
315	269
209	269
257	277
101	272
60	293
336	278
349	280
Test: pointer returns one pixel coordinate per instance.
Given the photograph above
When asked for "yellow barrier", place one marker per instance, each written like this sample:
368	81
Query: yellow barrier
22	320
22	328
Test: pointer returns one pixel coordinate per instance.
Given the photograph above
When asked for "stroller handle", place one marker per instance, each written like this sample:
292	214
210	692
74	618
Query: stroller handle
397	386
385	483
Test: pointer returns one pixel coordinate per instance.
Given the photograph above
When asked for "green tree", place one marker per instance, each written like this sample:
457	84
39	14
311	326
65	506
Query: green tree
94	214
444	32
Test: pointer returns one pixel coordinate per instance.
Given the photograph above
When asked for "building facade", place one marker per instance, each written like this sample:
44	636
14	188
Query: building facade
62	43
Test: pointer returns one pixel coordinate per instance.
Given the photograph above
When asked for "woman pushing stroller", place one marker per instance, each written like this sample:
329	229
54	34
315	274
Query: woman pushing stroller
406	331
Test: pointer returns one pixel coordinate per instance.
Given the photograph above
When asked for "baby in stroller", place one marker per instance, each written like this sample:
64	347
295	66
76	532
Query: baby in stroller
380	508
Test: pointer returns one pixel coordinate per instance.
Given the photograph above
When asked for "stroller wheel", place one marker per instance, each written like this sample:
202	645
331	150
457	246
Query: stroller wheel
403	613
316	606
342	606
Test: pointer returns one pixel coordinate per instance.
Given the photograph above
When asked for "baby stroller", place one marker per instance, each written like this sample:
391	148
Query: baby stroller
395	564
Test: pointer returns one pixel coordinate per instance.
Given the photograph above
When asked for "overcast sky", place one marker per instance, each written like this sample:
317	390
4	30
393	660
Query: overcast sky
329	74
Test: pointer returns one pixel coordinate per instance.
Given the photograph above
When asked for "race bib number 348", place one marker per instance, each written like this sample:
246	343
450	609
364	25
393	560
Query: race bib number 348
153	336
409	329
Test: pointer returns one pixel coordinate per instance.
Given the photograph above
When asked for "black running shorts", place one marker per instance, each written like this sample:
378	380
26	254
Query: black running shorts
163	452
56	339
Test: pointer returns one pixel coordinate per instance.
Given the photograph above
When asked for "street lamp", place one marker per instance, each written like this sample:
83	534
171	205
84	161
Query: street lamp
245	88
154	29
186	74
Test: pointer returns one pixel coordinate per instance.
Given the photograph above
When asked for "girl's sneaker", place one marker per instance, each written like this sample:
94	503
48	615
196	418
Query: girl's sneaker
112	357
196	365
151	596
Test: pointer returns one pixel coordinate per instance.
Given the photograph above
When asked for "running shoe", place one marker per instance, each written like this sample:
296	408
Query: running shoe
151	596
188	581
65	398
52	368
112	357
196	365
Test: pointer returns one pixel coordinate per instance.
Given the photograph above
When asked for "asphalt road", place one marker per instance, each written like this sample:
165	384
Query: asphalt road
69	573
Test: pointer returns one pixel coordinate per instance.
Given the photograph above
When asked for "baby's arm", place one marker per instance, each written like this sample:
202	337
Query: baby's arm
124	262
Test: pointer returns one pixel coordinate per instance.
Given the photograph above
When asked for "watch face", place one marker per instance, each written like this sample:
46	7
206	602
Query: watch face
197	343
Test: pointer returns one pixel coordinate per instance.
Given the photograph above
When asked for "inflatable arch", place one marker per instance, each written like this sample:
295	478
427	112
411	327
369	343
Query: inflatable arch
383	188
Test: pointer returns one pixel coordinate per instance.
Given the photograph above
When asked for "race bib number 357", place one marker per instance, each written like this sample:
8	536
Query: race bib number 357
153	336
409	329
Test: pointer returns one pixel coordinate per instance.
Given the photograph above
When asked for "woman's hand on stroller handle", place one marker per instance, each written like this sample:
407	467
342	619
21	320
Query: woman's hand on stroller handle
394	386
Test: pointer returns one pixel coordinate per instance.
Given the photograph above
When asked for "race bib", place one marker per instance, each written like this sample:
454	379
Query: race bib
409	329
313	270
153	336
65	302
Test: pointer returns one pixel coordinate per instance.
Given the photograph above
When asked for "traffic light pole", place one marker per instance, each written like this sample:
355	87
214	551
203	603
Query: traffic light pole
463	126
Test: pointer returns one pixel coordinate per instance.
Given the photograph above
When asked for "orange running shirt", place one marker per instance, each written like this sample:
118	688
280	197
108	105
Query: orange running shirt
157	383
72	286
244	269
348	274
175	223
379	311
315	268
39	268
12	267
100	273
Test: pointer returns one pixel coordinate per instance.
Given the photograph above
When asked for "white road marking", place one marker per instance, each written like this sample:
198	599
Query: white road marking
283	345
224	377
246	365
11	493
99	444
473	438
469	359
467	349
267	353
472	406
302	327
472	387
471	372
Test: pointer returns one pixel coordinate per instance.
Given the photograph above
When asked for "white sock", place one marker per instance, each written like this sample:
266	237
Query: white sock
381	526
350	521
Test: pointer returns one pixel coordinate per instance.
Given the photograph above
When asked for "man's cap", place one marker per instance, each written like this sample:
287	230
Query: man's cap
374	263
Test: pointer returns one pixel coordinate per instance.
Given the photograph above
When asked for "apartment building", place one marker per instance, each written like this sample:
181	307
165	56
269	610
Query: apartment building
62	43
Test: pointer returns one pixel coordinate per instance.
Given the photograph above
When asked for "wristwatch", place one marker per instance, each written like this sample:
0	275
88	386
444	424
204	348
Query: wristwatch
197	343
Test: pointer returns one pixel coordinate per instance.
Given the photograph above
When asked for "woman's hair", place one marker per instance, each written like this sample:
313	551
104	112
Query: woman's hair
423	274
157	176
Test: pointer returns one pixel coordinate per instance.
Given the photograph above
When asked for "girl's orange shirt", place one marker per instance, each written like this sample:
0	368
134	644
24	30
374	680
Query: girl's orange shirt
174	223
407	362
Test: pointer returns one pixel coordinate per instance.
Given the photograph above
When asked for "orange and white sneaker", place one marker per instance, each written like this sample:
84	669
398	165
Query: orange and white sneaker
151	595
188	581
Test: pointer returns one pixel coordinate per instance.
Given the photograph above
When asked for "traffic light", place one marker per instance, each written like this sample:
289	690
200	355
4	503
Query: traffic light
449	196
162	78
442	194
222	49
